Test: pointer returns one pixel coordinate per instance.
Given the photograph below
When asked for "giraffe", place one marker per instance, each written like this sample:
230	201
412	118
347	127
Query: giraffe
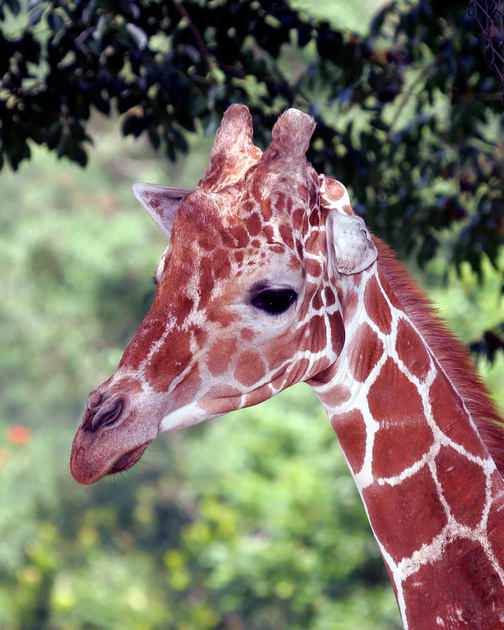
270	279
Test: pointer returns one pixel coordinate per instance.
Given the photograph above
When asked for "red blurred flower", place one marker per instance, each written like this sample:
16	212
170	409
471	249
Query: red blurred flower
18	434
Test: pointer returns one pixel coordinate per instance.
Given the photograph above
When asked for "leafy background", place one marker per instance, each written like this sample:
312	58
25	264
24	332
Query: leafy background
251	521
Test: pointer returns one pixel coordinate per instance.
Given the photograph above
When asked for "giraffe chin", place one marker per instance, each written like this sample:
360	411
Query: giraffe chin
127	460
91	471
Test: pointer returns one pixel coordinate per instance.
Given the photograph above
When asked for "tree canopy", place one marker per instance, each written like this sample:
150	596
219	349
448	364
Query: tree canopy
409	116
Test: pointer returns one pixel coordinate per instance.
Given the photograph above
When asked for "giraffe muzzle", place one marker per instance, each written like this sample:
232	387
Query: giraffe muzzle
106	442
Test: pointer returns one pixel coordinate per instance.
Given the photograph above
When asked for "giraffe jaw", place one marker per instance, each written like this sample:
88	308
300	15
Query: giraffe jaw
186	416
128	460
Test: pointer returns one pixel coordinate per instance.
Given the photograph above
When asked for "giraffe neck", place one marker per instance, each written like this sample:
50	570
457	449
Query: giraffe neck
431	490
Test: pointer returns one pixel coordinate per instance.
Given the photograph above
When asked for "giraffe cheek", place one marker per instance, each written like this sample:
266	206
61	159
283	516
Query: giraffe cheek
250	368
172	358
220	354
187	390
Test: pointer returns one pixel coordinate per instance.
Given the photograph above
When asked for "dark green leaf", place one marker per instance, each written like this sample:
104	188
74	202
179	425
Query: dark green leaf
35	15
14	6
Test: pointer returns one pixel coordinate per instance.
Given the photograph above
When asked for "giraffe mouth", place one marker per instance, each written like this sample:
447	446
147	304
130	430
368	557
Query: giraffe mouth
128	460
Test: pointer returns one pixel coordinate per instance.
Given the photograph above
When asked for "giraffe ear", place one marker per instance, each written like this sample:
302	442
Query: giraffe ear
161	202
349	245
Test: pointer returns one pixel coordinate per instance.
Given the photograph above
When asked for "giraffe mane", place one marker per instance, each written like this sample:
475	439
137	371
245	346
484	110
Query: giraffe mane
451	353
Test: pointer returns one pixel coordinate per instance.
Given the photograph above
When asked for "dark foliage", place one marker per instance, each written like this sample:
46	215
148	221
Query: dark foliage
490	343
408	116
489	15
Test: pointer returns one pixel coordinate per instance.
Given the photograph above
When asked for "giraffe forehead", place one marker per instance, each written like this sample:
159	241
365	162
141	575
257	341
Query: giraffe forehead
212	272
258	204
235	225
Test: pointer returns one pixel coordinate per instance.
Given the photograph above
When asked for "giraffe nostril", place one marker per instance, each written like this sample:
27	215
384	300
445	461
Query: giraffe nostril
94	399
108	414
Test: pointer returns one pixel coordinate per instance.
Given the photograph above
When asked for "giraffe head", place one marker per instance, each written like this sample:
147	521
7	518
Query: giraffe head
247	300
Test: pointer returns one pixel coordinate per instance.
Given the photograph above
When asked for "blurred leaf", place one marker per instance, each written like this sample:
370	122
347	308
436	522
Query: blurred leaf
14	6
490	343
138	35
36	15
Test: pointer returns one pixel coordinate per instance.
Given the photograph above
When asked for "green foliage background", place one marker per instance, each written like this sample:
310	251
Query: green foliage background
249	522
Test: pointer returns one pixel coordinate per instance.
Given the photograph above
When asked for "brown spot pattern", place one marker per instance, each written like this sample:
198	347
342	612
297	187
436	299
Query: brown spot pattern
377	306
461	588
220	399
337	328
455	471
451	417
422	514
250	368
220	355
329	296
495	519
336	396
351	304
254	224
404	437
364	352
351	431
411	350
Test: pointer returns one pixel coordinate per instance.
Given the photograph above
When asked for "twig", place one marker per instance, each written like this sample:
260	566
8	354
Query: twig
406	96
205	53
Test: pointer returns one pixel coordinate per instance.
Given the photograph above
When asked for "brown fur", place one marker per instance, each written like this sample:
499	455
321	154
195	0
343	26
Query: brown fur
450	352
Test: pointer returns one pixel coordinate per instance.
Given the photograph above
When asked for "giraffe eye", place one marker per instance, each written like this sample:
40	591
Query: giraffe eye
274	301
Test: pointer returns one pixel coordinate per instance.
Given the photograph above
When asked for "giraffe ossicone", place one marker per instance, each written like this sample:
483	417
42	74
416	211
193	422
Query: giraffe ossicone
270	279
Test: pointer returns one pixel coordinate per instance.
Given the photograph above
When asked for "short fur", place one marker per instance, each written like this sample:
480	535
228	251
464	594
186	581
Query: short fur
450	352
